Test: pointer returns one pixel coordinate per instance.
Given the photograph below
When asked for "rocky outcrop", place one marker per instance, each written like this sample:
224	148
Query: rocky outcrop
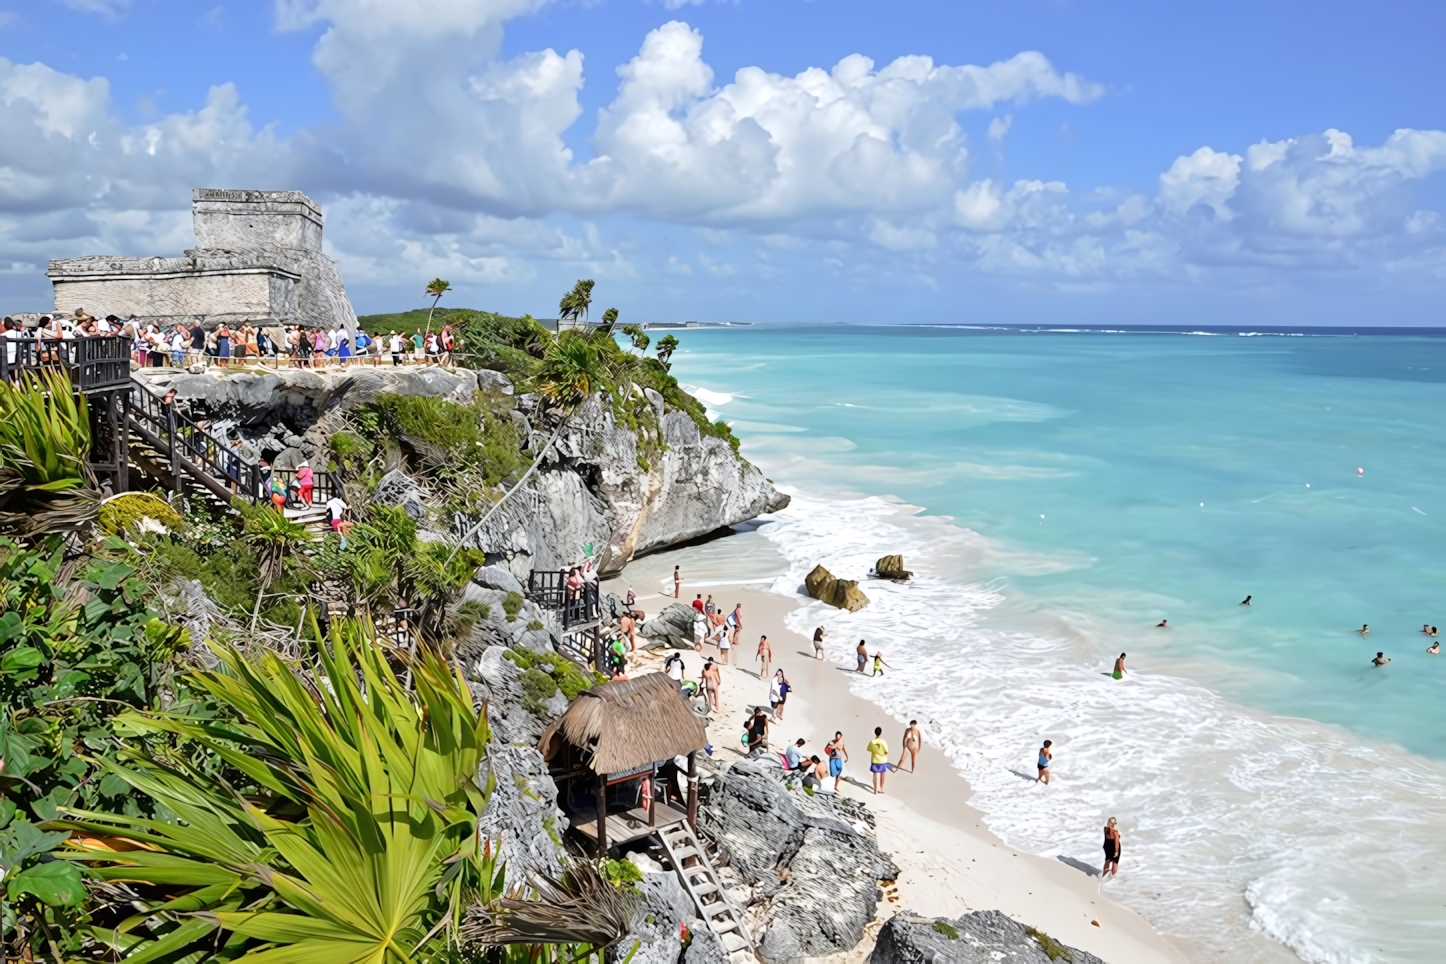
671	628
522	818
597	486
892	567
663	910
810	863
843	593
597	483
983	937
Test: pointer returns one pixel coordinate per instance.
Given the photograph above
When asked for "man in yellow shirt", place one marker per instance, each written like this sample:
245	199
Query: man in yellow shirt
878	758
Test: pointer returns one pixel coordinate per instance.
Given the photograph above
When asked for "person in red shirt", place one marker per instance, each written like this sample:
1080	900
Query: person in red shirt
698	602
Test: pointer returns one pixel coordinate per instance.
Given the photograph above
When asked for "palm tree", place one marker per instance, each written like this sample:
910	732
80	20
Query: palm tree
637	336
610	318
666	346
571	370
575	303
436	288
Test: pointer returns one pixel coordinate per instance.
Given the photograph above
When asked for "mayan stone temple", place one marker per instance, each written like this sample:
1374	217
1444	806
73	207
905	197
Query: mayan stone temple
257	257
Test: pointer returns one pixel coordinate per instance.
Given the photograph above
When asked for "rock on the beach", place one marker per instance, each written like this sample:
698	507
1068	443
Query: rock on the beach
983	937
892	567
843	593
662	906
673	627
812	861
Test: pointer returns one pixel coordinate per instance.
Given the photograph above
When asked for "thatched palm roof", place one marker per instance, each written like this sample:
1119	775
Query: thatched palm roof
628	724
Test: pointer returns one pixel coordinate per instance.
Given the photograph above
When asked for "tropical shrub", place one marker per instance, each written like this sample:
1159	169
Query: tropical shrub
45	482
350	836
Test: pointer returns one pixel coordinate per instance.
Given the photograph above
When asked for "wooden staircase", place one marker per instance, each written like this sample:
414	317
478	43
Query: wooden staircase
690	861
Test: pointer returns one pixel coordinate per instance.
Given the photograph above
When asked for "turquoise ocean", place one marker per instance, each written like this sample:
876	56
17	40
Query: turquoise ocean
1058	493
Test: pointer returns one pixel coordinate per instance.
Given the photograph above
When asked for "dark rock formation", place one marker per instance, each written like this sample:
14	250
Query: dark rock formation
843	593
983	937
811	861
892	567
673	627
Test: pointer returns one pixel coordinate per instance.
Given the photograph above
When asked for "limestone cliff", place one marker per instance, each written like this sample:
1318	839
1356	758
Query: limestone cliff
594	484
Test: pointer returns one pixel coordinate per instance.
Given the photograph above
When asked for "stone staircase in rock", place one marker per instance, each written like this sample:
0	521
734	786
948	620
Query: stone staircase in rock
723	917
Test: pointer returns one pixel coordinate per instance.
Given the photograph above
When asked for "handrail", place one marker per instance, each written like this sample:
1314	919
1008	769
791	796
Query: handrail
97	363
548	588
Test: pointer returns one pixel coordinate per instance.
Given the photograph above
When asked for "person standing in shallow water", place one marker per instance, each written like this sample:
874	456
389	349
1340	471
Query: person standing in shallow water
1045	756
861	652
1112	849
1119	672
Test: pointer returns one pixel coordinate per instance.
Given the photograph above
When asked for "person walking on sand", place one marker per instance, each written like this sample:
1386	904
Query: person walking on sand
765	656
723	646
1112	849
861	654
878	759
838	754
735	621
1119	672
1044	757
628	625
879	664
818	643
913	743
712	682
677	582
698	602
778	692
700	631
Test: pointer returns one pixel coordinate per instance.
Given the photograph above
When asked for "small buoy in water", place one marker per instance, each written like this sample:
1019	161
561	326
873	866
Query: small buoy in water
1041	515
1360	471
1202	505
1307	485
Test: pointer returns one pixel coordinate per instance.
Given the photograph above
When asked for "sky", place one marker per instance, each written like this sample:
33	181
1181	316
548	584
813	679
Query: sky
859	161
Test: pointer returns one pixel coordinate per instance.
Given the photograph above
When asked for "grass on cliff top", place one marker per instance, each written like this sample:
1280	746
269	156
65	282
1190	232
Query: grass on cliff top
515	347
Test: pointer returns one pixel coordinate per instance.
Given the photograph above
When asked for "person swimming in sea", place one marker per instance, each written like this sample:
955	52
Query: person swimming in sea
1365	630
1119	672
1246	600
1381	660
1162	624
1435	648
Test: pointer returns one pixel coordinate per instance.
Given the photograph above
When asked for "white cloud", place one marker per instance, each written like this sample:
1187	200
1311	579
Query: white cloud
999	126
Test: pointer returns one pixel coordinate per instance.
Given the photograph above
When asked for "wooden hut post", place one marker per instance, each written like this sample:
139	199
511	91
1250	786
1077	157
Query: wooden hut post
602	815
693	790
653	797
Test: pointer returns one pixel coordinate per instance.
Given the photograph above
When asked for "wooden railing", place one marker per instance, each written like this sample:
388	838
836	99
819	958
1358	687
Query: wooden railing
100	363
548	588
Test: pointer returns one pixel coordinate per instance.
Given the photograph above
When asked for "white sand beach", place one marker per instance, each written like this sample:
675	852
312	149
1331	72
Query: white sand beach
950	864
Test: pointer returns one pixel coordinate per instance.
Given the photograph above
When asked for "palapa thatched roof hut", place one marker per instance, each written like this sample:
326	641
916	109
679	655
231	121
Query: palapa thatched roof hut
627	724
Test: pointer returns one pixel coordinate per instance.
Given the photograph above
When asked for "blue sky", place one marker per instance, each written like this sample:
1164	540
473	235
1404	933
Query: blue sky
764	160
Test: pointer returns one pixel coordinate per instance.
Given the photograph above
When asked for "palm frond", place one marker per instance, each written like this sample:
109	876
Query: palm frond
581	908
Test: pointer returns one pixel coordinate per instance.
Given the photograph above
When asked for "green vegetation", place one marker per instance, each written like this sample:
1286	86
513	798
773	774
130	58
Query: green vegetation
45	483
622	874
564	674
1052	948
947	929
512	605
350	835
129	511
448	441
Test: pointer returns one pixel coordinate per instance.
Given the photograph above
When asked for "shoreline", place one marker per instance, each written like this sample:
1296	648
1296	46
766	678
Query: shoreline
949	862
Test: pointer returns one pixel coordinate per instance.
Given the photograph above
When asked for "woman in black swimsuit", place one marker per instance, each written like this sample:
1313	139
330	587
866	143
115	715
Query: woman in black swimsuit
1112	849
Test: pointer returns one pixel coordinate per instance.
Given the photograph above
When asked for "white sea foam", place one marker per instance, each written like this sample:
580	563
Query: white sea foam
1236	824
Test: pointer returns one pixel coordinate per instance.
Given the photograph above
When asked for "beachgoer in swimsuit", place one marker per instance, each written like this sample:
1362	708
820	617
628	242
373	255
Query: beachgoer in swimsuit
700	630
1433	632
735	620
838	754
765	656
1246	600
712	682
1112	849
817	773
1044	757
758	733
782	687
723	647
1426	628
879	664
818	643
708	607
1365	630
1381	660
698	602
1119	667
628	625
861	653
677	582
913	743
1435	648
878	759
1162	624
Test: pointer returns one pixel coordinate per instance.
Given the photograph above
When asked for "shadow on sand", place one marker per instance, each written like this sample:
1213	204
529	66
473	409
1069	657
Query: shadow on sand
1079	865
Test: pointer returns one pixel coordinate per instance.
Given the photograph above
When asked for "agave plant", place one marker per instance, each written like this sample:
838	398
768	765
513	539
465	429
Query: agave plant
356	839
45	481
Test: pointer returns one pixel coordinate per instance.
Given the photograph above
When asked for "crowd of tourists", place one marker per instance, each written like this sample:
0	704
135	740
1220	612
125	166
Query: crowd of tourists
182	345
